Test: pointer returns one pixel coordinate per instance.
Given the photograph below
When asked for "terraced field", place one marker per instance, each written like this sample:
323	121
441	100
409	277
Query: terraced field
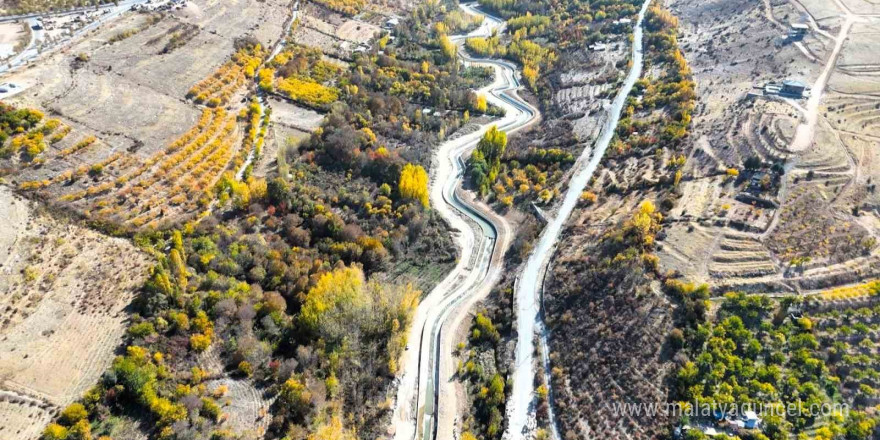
859	114
764	130
741	256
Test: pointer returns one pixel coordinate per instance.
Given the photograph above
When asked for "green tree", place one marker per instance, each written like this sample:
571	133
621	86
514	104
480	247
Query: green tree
485	161
295	397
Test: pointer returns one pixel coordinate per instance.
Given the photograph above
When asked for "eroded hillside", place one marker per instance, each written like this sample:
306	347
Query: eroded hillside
769	191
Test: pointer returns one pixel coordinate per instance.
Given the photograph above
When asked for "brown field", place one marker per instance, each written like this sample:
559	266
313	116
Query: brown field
127	85
822	186
64	294
336	35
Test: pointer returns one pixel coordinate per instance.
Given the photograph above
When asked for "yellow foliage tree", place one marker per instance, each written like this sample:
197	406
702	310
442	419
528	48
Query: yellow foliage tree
645	223
258	188
55	432
308	92
199	342
333	431
481	105
178	268
414	183
340	288
530	74
266	78
448	48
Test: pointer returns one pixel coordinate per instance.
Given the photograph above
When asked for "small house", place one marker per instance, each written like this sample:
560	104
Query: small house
598	47
392	22
797	31
751	419
794	88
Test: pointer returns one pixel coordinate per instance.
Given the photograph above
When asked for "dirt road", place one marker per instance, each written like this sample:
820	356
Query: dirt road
521	420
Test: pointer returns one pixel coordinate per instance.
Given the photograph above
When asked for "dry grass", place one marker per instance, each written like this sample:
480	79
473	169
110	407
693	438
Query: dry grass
64	291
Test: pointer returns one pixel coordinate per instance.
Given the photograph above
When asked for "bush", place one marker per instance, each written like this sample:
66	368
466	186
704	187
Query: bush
74	413
141	330
55	432
199	342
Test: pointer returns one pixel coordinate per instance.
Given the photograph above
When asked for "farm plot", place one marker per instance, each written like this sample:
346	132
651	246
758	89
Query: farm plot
23	418
334	34
847	323
852	114
173	181
808	227
262	20
136	101
64	290
686	249
862	6
294	116
862	193
858	53
121	111
13	36
827	14
858	71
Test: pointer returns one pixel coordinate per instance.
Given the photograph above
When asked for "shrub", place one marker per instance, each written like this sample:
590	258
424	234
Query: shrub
74	413
199	342
141	330
55	432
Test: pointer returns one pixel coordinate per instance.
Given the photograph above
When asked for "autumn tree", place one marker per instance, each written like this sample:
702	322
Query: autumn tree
295	397
327	303
333	431
485	161
414	183
644	224
178	268
447	48
480	105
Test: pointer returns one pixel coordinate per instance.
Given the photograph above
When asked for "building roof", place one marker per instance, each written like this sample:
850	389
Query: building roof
750	415
793	83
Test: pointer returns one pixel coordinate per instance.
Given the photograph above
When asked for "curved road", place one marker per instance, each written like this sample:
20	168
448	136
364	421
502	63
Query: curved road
426	403
522	398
